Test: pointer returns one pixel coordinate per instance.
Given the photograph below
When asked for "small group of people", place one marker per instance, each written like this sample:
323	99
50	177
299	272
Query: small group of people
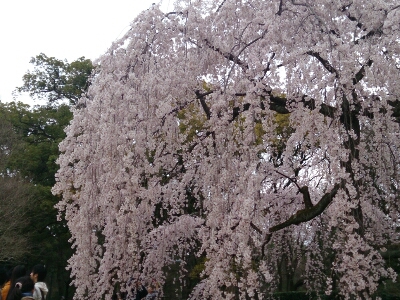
20	286
140	292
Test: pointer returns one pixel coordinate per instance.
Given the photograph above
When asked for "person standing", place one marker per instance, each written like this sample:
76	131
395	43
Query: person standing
137	291
38	275
23	289
18	272
152	292
140	291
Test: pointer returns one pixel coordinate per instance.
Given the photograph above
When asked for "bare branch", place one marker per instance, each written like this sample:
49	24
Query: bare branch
394	8
220	6
291	179
268	67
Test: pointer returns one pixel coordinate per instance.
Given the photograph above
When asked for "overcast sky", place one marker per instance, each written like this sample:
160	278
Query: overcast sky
59	28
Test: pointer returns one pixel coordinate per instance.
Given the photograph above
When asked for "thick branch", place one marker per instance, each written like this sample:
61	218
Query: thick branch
278	104
361	26
324	62
306	197
304	215
237	111
201	97
361	73
307	214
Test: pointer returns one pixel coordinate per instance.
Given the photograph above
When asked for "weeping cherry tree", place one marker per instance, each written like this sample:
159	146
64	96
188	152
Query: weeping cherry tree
176	150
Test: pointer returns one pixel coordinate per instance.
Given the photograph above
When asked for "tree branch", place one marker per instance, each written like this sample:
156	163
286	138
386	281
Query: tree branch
280	8
255	228
220	6
201	97
228	55
324	62
307	214
291	179
361	73
304	215
306	197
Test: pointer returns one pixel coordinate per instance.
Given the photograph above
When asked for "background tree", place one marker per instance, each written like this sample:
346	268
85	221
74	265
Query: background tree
30	148
146	182
41	129
54	80
15	201
29	141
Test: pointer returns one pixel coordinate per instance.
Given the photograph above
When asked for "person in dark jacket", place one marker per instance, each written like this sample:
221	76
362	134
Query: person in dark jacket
23	289
18	272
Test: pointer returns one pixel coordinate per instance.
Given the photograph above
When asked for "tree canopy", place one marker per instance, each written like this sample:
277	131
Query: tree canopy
15	198
29	231
55	80
258	137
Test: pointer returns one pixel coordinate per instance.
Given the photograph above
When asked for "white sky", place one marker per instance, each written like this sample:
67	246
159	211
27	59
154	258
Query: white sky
59	28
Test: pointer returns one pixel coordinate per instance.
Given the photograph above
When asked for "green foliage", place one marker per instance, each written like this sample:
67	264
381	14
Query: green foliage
16	200
29	139
282	123
178	287
389	290
9	140
191	122
195	273
283	130
259	133
41	129
53	79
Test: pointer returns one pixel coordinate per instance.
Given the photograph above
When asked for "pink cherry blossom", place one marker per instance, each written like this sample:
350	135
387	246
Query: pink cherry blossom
176	149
